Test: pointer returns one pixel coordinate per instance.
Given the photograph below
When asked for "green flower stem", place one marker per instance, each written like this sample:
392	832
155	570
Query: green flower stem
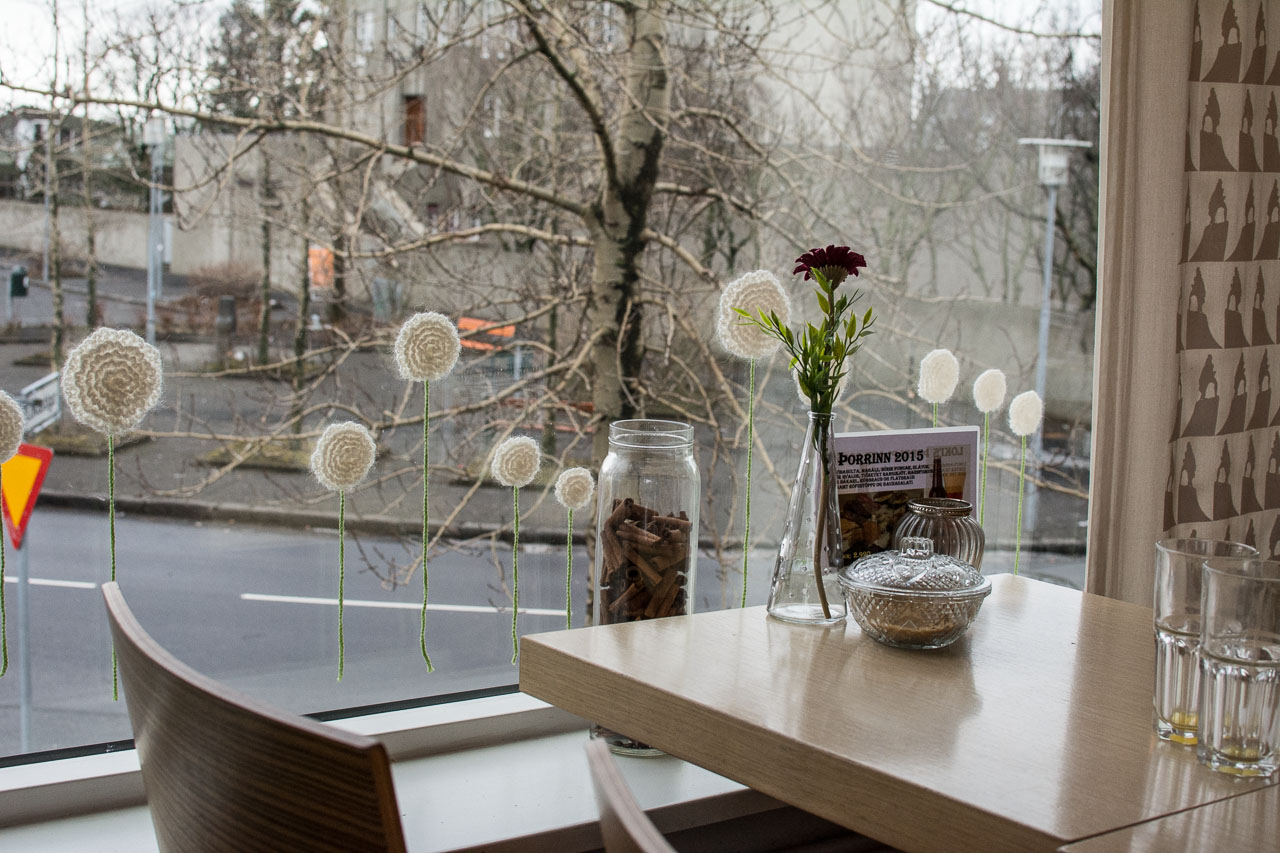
342	576
935	415
986	454
1022	479
4	628
426	475
751	425
111	537
515	573
568	575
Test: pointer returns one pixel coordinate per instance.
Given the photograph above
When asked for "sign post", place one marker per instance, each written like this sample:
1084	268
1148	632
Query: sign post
20	481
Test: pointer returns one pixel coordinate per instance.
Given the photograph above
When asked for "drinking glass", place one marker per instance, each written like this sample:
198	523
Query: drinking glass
1179	567
1240	667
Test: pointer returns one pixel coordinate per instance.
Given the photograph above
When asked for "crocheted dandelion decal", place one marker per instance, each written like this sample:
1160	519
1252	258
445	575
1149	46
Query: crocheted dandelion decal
574	489
426	350
988	395
1025	413
110	381
755	294
939	373
515	464
343	456
12	425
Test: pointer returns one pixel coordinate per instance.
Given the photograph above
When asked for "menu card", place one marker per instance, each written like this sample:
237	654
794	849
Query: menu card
878	472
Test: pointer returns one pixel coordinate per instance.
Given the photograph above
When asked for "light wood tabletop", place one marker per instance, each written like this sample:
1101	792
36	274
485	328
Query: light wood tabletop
1249	822
1032	731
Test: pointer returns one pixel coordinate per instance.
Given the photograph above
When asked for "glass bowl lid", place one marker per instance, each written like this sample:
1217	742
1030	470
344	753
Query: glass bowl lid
915	570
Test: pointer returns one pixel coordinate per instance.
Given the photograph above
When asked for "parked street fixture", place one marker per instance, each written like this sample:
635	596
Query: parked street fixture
1054	158
154	138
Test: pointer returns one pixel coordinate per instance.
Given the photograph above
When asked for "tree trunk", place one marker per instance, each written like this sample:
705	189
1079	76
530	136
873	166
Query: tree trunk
58	341
264	315
617	222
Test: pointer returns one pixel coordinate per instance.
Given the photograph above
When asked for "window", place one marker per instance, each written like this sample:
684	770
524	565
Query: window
415	120
365	29
227	547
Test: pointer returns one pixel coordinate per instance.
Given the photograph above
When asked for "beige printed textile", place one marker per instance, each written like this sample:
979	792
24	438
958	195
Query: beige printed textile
1223	477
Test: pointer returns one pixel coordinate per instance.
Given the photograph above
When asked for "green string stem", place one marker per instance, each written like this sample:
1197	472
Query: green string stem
935	415
426	475
342	576
515	573
568	575
751	426
1022	479
4	626
986	453
111	536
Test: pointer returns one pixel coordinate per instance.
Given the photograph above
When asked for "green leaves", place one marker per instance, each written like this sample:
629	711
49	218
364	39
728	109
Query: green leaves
819	351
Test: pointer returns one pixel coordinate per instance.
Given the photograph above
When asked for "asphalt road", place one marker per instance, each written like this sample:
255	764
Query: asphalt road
257	608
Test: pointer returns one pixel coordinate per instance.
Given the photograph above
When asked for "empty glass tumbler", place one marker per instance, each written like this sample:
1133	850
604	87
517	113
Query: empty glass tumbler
1239	710
1179	567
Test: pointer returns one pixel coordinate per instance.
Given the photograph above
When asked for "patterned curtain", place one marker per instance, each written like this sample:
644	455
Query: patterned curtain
1210	280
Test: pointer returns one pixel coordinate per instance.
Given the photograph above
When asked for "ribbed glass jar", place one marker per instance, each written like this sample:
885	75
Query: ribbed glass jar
646	532
948	523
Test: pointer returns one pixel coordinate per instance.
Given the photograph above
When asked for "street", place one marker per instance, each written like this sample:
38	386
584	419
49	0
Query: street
257	608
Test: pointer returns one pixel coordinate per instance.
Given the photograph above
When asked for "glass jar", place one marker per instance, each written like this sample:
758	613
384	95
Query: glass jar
646	532
948	523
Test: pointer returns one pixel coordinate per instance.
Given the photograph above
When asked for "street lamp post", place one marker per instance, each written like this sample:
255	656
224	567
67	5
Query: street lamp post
153	136
1053	174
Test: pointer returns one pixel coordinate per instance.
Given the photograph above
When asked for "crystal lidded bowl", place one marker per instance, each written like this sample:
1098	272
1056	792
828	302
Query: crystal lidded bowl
913	598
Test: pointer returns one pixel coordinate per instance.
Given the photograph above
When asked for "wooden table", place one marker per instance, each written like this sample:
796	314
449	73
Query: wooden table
1249	822
1033	731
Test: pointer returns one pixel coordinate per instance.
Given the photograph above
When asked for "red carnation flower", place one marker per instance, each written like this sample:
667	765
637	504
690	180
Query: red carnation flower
836	263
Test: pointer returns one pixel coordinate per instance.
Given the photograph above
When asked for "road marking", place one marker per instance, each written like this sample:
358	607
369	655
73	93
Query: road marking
51	582
394	605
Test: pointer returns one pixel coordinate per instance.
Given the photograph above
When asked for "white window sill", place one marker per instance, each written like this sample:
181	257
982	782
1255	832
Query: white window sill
505	772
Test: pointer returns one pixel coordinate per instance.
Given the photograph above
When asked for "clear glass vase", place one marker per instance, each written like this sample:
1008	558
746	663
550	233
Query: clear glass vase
805	588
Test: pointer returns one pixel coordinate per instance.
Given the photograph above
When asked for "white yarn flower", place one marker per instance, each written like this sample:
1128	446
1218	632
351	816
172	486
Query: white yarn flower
111	380
1025	413
516	461
755	292
427	347
989	390
343	455
939	373
12	424
575	488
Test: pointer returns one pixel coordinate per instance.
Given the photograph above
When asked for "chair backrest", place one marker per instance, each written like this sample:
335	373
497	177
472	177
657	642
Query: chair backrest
223	771
623	824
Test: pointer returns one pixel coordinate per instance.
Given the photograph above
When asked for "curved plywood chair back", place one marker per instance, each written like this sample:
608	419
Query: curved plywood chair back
224	772
623	824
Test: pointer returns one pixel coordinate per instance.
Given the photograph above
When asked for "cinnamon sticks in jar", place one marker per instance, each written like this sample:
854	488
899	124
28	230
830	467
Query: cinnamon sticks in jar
646	563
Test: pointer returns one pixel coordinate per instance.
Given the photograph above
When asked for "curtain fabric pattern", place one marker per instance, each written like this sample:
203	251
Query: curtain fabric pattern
1191	308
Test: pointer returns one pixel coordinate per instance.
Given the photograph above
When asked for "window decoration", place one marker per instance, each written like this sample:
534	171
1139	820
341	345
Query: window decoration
426	350
110	381
574	489
515	463
342	458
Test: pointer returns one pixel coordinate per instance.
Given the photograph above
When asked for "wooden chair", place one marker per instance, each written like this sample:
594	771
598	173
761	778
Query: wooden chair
623	824
223	771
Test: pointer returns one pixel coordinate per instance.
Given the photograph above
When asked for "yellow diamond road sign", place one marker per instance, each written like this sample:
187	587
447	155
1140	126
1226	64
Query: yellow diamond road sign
20	481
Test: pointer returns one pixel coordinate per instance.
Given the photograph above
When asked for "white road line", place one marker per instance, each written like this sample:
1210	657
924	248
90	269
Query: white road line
50	582
394	605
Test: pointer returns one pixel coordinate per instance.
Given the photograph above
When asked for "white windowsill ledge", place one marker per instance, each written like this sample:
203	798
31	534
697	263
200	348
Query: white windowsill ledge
505	772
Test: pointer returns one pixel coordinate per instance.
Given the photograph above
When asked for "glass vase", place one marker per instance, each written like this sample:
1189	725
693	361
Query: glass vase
805	588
